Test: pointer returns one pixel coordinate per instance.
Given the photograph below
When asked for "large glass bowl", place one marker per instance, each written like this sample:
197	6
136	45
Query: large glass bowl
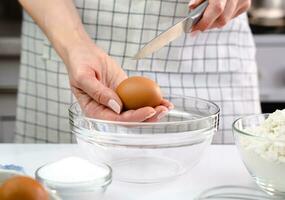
149	152
264	157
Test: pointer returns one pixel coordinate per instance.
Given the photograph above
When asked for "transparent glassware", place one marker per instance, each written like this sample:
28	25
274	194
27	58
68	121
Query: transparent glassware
261	155
85	190
149	152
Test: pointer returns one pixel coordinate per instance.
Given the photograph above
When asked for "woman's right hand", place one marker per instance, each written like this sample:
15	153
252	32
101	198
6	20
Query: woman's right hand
93	78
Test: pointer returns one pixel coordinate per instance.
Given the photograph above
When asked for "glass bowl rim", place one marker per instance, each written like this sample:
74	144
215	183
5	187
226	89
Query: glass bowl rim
217	111
99	182
235	128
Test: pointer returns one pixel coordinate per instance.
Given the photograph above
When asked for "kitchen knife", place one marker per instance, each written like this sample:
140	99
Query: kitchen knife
173	32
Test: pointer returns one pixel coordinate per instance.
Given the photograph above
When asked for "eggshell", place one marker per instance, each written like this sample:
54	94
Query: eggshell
137	92
23	188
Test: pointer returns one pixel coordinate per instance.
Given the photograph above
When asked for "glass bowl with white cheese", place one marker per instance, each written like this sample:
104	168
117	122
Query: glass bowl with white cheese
261	142
149	152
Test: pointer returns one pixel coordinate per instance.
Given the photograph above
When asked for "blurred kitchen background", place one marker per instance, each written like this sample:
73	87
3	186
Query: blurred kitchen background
267	20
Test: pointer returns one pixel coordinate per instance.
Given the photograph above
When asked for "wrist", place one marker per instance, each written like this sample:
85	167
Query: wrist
63	27
68	41
65	33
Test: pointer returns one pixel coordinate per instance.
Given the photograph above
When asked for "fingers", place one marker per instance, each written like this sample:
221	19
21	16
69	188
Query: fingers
138	115
161	111
244	6
146	114
101	94
194	3
167	104
211	14
95	110
219	13
115	78
226	16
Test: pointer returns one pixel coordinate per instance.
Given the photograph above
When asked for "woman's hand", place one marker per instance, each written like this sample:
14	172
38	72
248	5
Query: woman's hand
219	12
92	73
93	78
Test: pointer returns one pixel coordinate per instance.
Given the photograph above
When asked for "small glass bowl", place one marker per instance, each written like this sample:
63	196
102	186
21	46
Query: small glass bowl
86	190
261	155
149	152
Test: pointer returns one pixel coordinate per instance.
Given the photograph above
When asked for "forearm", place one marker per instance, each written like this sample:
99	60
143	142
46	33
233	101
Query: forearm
60	22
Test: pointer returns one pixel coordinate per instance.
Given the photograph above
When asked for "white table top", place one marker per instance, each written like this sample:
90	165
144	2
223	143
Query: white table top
220	165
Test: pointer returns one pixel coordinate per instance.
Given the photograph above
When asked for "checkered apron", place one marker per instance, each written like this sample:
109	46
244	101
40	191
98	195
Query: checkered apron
218	65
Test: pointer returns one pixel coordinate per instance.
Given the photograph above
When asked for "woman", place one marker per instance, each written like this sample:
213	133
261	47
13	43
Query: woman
89	44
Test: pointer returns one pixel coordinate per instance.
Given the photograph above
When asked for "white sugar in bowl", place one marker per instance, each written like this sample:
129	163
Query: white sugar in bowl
74	178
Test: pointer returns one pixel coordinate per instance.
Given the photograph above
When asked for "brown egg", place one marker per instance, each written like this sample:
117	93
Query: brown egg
137	92
23	188
1	193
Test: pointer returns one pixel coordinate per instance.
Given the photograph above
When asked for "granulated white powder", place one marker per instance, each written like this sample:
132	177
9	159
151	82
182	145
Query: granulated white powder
72	170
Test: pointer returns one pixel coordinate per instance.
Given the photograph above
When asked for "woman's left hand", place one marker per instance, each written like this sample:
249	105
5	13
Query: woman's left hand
219	12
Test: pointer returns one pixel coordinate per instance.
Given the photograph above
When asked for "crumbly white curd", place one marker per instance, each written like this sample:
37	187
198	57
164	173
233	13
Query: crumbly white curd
264	155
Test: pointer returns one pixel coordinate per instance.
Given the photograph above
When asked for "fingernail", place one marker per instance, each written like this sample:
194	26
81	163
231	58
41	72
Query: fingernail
195	33
150	115
162	114
114	106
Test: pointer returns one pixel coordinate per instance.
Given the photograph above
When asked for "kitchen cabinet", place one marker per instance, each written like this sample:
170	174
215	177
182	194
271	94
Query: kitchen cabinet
10	45
271	67
9	73
7	127
7	115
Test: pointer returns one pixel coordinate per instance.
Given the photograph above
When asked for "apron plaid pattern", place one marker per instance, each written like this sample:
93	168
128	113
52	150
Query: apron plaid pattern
218	65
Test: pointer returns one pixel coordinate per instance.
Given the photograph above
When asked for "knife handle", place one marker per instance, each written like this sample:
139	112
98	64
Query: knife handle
196	14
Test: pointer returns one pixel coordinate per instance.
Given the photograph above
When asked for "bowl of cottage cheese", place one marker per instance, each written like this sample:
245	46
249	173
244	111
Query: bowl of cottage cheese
261	142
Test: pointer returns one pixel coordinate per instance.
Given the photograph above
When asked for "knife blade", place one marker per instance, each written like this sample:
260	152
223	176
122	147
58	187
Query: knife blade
173	32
